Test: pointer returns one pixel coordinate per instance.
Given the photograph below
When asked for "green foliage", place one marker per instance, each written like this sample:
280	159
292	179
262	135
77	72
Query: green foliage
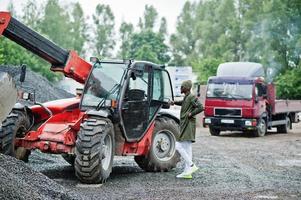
268	32
289	84
126	32
149	46
149	20
78	30
163	26
55	23
104	30
145	44
205	68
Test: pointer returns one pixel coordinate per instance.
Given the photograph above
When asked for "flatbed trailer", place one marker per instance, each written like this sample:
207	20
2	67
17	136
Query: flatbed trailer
238	98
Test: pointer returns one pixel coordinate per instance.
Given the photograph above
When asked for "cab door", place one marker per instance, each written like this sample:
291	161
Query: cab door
136	102
161	92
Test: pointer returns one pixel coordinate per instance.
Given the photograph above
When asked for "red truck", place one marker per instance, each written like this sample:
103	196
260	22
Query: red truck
239	98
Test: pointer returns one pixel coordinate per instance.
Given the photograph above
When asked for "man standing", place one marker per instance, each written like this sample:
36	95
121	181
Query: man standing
190	106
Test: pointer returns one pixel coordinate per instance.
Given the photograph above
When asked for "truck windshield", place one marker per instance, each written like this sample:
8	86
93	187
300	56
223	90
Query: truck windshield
229	90
103	83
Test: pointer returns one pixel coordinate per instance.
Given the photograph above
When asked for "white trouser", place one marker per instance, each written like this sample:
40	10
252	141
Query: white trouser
185	150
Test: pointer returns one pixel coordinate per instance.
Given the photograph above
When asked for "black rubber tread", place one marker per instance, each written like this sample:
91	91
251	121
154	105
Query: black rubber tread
214	131
69	158
8	133
257	133
88	151
149	162
284	128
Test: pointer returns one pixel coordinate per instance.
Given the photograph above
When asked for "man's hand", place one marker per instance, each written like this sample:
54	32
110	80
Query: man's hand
171	103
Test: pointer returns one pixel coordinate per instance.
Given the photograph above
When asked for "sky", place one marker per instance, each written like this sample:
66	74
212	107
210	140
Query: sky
124	10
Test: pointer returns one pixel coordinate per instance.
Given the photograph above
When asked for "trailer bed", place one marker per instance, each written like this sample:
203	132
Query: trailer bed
286	106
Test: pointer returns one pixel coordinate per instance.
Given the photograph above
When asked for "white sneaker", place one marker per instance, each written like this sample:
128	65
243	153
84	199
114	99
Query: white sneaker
192	169
184	175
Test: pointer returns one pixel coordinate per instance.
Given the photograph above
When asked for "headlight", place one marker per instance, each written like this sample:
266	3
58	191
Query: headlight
248	123
207	120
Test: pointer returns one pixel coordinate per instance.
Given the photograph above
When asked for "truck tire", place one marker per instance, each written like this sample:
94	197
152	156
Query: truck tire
285	127
94	151
214	131
69	158
14	126
261	128
162	155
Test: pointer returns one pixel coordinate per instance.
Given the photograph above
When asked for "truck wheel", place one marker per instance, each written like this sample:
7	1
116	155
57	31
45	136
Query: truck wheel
261	128
162	155
284	128
94	151
69	158
214	131
14	126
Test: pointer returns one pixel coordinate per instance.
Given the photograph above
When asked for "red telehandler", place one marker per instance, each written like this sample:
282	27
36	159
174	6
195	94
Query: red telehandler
119	112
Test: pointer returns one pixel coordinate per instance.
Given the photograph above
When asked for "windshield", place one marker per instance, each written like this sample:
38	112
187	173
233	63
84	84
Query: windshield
229	90
103	83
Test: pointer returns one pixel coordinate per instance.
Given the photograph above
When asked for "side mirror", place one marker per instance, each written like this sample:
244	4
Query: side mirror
133	76
256	99
198	91
94	59
23	73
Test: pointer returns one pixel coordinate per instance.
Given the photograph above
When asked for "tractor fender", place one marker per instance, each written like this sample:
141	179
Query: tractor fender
98	113
169	115
22	108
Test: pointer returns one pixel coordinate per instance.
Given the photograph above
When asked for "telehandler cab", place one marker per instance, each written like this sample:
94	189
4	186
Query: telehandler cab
118	113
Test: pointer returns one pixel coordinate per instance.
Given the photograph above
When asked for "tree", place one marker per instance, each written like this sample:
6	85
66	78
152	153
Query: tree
79	28
55	24
149	46
32	14
104	30
126	32
289	84
149	19
163	26
205	68
184	40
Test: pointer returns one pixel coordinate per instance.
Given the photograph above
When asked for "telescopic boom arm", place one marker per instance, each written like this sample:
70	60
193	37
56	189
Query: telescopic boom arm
67	62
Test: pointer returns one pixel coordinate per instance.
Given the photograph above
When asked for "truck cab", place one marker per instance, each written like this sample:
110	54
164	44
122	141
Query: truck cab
234	103
239	98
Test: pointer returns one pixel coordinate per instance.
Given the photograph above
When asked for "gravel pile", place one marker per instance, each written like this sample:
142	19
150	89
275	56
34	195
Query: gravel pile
18	181
44	90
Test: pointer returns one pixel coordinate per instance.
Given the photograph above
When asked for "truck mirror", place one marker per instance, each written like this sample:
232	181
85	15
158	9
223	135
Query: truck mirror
256	99
198	90
23	73
94	59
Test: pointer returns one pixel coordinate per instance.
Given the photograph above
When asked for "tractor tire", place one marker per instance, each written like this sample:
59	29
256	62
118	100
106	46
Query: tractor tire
214	131
69	158
162	155
14	126
94	151
284	128
261	128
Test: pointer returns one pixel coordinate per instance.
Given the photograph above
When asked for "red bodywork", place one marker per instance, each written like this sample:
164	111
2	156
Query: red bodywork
58	133
251	109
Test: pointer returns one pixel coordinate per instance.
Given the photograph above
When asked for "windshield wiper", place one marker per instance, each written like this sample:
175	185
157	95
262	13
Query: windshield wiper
112	91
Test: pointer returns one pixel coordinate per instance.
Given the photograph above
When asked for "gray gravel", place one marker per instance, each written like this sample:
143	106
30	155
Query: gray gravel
44	90
233	166
19	181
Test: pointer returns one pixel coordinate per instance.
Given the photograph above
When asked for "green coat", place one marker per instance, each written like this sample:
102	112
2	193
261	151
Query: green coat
190	104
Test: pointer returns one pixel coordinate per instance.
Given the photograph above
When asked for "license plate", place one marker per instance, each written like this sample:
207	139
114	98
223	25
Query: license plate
227	121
